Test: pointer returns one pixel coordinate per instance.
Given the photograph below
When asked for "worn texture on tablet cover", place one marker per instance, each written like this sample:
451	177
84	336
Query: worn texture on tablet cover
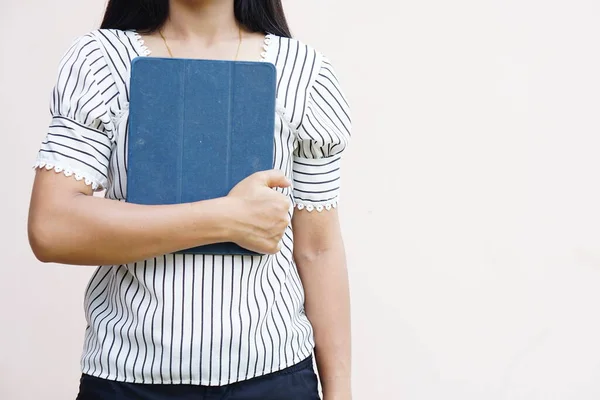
196	129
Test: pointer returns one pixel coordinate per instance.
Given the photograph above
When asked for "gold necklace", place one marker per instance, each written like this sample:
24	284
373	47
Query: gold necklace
237	53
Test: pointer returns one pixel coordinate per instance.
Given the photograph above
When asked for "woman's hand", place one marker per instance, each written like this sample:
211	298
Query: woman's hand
261	214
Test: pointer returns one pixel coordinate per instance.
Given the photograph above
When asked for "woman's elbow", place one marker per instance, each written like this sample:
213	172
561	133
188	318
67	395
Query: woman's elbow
42	239
52	227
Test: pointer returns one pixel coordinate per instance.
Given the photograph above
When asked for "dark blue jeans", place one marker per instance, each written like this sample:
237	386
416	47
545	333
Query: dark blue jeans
298	382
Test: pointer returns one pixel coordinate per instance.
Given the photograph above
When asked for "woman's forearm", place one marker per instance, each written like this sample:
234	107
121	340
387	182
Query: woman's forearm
88	230
325	280
67	225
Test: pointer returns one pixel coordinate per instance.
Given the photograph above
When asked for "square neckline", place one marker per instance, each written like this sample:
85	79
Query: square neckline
146	52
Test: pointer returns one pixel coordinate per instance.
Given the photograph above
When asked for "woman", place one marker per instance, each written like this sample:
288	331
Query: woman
173	326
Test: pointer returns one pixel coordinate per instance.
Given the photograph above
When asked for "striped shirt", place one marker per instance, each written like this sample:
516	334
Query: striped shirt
195	319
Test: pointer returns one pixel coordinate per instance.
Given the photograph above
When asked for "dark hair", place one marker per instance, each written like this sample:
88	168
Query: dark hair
146	16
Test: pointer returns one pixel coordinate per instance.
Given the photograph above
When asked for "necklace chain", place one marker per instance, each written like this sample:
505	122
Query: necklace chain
237	53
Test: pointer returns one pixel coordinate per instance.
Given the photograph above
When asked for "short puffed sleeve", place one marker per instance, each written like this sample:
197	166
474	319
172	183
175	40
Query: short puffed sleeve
79	139
323	134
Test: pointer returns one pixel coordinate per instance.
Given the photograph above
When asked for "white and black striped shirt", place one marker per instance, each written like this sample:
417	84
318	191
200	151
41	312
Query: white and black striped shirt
194	319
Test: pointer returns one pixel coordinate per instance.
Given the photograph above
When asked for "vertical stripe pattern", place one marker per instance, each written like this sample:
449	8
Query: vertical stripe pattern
194	319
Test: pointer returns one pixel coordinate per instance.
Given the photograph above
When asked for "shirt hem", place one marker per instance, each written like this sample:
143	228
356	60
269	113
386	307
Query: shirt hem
200	382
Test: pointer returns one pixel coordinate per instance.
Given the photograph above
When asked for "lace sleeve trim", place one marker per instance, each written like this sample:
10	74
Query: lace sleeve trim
318	207
68	172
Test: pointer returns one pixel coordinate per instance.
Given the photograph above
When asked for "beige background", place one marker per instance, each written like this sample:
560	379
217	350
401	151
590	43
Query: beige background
471	199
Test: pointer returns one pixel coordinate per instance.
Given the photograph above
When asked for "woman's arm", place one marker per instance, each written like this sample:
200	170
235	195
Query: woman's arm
320	256
318	247
67	225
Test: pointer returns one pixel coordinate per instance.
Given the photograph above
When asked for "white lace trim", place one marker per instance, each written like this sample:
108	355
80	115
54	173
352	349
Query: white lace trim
145	50
318	207
67	172
266	43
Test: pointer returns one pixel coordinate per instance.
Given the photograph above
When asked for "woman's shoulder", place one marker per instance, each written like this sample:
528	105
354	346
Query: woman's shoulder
124	44
102	58
110	49
288	49
294	59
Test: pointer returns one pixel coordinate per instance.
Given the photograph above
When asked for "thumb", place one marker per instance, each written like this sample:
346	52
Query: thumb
276	179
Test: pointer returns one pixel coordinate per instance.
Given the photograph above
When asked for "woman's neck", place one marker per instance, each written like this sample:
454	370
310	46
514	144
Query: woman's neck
210	20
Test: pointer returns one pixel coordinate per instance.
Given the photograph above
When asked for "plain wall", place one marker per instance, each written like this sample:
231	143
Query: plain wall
471	204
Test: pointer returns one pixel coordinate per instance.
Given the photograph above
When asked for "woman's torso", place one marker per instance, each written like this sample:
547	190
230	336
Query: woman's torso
196	319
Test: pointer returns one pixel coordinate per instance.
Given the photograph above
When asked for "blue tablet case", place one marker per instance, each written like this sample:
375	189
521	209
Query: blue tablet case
196	129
